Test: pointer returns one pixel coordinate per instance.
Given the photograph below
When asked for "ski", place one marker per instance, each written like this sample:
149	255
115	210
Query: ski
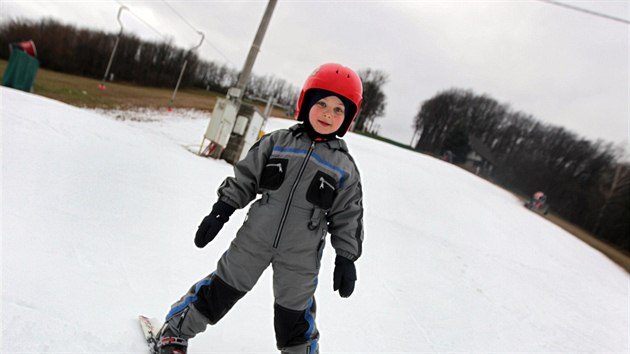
150	330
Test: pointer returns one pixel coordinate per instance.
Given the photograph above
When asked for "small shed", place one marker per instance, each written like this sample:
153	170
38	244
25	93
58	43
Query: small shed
480	159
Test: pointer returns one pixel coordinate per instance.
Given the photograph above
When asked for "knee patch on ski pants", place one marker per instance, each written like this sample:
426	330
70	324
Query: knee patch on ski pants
211	297
216	299
294	327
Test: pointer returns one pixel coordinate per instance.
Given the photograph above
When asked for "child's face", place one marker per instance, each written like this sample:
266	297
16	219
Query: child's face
327	115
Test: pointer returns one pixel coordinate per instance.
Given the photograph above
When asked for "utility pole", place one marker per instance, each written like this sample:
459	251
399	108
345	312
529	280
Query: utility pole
235	126
255	48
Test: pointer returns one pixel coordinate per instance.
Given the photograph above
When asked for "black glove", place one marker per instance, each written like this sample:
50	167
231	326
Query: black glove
344	276
212	224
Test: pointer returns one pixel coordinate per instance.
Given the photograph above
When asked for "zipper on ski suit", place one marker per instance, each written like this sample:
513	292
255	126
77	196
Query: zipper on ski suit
324	183
290	198
278	165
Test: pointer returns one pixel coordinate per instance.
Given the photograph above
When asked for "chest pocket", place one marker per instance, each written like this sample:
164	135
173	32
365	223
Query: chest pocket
322	190
273	174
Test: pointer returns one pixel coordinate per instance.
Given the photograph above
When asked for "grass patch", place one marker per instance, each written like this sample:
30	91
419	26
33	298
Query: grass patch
83	92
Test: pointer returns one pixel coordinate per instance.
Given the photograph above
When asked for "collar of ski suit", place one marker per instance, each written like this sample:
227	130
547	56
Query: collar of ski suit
299	131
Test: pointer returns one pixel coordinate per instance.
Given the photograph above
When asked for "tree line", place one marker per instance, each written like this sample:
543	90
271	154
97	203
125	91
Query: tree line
587	182
86	52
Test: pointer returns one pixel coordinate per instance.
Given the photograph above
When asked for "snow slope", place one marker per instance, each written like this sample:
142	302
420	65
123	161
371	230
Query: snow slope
99	214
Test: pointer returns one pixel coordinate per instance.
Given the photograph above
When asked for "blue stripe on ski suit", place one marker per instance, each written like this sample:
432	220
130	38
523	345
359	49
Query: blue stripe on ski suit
188	299
311	326
341	172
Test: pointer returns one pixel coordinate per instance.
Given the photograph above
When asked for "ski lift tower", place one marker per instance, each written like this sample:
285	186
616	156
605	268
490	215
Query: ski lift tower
181	73
102	86
233	124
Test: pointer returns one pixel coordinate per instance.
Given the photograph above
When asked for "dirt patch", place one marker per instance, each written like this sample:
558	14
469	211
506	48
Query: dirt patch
618	256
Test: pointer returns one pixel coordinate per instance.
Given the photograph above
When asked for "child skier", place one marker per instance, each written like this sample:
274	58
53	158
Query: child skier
309	186
538	202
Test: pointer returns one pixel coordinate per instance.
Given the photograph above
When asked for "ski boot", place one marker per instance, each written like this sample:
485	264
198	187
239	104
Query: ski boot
169	342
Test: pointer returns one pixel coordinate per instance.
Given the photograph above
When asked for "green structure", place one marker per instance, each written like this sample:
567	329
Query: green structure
21	71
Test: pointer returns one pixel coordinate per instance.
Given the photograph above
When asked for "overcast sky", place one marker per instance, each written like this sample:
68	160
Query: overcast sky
564	67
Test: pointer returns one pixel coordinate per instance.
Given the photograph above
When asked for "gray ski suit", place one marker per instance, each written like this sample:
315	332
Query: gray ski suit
308	189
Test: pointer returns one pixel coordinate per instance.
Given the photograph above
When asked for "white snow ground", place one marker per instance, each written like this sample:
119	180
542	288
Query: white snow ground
98	218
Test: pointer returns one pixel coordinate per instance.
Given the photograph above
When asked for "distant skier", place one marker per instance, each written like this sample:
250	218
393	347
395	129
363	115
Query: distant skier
309	186
538	202
447	156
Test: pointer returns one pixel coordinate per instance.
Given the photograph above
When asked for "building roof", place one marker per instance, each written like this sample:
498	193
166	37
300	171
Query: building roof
480	148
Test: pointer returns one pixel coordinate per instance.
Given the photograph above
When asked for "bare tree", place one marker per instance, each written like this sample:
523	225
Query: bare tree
374	100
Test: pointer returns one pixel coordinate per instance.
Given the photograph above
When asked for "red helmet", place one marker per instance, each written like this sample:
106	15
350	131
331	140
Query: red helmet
338	79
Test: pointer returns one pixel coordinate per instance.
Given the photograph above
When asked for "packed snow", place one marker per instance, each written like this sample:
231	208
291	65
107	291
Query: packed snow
99	212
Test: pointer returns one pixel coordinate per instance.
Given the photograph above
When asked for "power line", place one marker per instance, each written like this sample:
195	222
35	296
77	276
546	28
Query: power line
587	11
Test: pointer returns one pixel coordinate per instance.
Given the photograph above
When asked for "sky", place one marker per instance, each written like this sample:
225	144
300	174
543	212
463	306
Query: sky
463	269
563	67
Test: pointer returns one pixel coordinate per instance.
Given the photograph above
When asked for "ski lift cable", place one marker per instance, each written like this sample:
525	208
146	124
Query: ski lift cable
141	20
218	51
608	17
180	16
196	30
